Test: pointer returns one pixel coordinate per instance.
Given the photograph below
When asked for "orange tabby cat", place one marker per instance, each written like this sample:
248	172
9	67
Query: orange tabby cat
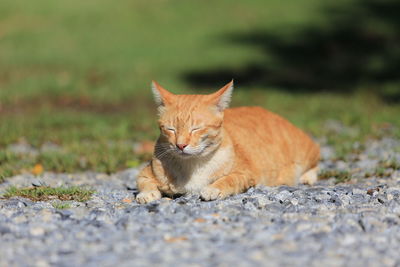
206	149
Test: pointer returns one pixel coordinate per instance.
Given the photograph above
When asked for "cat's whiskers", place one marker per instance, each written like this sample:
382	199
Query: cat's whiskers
162	150
163	155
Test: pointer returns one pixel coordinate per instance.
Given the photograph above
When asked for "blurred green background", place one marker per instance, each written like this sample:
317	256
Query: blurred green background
75	75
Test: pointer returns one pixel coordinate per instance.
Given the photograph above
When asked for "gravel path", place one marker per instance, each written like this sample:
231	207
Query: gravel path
355	223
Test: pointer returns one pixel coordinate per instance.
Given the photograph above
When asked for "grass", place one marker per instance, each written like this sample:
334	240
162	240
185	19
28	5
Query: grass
76	74
61	206
44	193
340	176
390	164
384	168
101	157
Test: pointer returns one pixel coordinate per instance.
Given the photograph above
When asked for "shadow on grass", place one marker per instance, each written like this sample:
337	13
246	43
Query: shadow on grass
359	46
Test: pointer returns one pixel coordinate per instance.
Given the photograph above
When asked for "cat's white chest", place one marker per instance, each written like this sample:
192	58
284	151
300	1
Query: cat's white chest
200	178
190	177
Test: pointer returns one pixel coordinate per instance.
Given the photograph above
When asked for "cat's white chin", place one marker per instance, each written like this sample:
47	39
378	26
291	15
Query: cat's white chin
194	152
188	154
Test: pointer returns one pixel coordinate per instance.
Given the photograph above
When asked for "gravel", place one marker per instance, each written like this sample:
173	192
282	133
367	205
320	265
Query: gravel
354	223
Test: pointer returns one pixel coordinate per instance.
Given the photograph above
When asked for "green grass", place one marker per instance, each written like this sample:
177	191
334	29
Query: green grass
61	206
340	176
44	193
385	168
390	164
77	74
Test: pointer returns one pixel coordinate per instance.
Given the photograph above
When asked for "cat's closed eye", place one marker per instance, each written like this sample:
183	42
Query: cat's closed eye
194	129
167	128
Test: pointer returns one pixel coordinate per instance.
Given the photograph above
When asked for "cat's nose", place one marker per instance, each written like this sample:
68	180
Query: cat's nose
181	146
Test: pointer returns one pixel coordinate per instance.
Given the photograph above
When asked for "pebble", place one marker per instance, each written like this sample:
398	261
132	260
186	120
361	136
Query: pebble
37	231
355	223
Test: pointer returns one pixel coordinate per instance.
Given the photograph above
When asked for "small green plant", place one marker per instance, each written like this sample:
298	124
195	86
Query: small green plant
11	164
368	174
390	164
44	193
341	176
60	205
381	172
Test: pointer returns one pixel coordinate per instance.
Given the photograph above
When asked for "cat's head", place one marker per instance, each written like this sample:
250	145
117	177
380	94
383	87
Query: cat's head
190	125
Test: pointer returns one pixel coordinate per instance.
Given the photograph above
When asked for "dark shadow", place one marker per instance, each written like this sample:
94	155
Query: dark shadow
360	45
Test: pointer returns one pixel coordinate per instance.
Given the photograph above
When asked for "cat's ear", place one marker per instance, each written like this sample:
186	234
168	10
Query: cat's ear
161	96
222	97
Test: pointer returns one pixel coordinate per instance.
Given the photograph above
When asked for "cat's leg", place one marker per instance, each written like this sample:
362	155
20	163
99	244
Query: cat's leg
310	177
147	184
234	183
290	175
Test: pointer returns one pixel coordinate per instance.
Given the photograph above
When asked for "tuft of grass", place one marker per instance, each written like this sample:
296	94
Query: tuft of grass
9	164
61	206
341	176
382	172
44	193
385	168
390	164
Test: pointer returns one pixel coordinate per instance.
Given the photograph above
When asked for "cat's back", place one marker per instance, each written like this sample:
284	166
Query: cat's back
246	114
256	125
256	120
266	138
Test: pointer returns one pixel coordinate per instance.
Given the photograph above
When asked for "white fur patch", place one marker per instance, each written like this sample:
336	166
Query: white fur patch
156	94
310	177
202	174
194	174
225	98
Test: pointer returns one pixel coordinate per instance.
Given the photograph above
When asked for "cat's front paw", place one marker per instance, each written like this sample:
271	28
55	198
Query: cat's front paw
211	193
148	196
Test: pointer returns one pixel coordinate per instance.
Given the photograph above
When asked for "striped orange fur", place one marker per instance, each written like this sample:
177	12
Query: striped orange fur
208	149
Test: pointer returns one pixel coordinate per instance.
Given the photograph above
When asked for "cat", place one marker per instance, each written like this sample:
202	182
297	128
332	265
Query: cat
208	149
